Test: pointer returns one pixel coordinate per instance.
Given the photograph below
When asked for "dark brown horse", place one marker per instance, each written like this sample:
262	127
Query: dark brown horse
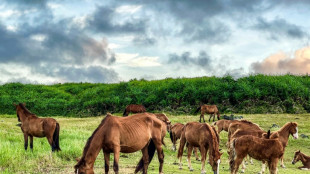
269	150
33	126
133	108
203	136
127	135
305	160
208	109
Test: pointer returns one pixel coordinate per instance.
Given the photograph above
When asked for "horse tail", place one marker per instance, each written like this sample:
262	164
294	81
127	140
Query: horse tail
171	136
151	152
56	138
197	110
125	113
232	153
182	142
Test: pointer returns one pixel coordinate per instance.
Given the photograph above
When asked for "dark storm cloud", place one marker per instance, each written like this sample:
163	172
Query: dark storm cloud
58	47
202	60
102	21
279	28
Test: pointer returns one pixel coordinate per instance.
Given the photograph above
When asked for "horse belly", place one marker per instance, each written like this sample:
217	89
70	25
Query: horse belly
134	144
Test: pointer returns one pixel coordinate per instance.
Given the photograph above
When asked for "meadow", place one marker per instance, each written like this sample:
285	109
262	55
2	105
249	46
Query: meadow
74	133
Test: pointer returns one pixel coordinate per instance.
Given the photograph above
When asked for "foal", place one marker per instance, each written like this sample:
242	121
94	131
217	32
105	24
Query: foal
203	136
305	160
269	150
33	126
123	134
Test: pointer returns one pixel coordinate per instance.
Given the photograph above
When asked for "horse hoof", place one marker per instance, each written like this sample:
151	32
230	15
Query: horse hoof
283	166
242	171
197	159
180	168
203	172
191	169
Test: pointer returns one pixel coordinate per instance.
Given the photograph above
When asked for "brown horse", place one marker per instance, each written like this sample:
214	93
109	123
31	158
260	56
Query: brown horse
208	109
223	125
305	160
133	108
283	134
165	119
269	150
203	136
242	125
33	126
127	135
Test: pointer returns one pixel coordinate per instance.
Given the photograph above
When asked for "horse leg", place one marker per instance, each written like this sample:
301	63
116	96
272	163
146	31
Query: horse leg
210	117
26	141
181	148
203	159
189	152
263	167
196	153
282	161
236	165
200	118
106	162
272	164
213	117
31	142
145	156
160	153
116	158
174	142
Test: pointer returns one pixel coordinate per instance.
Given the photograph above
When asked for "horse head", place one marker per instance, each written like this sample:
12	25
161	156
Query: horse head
82	168
293	130
296	157
215	162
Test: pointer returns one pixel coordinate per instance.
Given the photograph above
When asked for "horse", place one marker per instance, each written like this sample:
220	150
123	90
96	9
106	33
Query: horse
223	125
33	126
242	125
208	109
127	135
165	119
203	136
269	150
305	160
283	134
133	108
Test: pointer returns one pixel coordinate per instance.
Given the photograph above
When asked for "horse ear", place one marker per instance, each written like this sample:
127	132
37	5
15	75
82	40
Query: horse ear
15	104
77	159
298	151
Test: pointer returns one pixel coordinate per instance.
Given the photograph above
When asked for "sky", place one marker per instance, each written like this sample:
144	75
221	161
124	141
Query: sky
59	41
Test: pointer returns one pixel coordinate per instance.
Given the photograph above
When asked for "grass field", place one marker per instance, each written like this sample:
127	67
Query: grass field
75	131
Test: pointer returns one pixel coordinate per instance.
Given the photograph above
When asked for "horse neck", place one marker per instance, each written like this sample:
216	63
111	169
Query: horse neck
284	132
22	116
304	158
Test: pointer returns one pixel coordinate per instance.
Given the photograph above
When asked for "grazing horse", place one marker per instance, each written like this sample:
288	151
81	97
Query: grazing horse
242	125
133	108
223	125
208	109
175	134
269	150
33	126
203	136
127	135
303	158
283	134
165	119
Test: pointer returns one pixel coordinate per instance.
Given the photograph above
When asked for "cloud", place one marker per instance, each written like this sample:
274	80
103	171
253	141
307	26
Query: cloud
202	60
279	28
282	63
144	40
134	60
103	21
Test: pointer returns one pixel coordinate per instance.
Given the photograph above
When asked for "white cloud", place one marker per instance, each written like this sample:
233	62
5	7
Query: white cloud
38	37
9	13
128	9
134	60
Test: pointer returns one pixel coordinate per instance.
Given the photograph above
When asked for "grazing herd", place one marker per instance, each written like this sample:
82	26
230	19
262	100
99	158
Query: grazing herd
146	131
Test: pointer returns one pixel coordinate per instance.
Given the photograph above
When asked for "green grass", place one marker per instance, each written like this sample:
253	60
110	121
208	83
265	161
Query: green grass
75	131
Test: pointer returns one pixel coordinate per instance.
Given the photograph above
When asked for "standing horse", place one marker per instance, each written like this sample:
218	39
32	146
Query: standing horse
223	125
133	108
203	136
269	150
127	135
283	134
208	109
33	126
165	119
305	160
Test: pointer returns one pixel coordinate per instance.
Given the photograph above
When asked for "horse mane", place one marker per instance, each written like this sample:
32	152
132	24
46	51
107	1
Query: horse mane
214	138
82	160
246	121
287	125
25	109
